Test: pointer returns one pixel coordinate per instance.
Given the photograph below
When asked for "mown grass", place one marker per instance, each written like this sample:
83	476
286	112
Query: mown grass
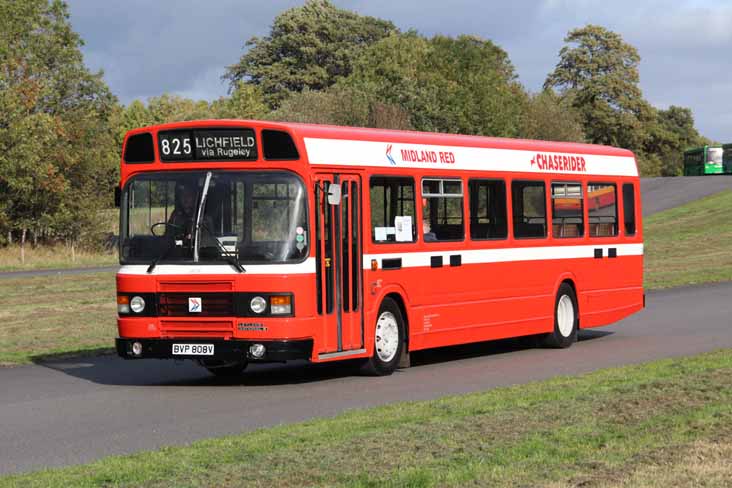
615	427
53	257
690	244
56	314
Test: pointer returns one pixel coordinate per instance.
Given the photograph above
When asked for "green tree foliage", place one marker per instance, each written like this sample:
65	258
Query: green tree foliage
311	46
598	74
342	105
550	118
463	85
245	102
56	141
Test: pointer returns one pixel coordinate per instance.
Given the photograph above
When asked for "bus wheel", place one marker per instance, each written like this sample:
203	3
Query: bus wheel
388	340
224	369
566	319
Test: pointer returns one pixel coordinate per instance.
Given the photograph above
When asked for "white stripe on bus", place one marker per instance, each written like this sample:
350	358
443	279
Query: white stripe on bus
306	267
514	254
342	152
409	260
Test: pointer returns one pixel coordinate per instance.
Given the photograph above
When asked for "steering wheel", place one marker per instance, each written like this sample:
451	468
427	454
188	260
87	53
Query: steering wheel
166	225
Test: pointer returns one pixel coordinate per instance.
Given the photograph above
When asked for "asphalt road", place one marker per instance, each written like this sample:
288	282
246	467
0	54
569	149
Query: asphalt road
663	193
77	411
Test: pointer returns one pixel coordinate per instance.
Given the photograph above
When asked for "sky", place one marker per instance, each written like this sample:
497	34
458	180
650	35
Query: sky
147	48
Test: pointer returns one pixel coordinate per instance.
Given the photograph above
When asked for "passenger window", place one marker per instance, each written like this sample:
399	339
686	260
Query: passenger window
629	208
602	209
567	215
393	217
488	216
529	209
442	210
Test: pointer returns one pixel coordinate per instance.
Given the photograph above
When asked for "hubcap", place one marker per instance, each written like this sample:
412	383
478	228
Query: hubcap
565	315
387	336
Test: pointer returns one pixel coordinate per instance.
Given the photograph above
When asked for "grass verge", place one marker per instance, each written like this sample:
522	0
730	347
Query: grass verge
59	314
616	427
690	244
53	257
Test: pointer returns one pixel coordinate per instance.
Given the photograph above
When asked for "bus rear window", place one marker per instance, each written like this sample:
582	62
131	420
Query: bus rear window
629	208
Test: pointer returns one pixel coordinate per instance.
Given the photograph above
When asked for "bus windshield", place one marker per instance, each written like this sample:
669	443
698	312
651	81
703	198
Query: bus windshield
252	217
715	155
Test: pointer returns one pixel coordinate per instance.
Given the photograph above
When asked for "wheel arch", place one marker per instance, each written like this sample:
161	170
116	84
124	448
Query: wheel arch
570	280
399	300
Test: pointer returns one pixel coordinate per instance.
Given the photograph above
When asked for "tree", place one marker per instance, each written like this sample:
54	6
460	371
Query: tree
308	47
598	75
549	118
341	105
245	102
55	135
462	85
669	135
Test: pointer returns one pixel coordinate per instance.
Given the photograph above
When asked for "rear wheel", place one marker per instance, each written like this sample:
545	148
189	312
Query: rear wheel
388	340
224	369
566	319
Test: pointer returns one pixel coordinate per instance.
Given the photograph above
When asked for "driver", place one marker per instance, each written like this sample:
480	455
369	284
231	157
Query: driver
183	218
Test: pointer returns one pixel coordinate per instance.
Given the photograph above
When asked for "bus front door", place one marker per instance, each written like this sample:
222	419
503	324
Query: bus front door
339	266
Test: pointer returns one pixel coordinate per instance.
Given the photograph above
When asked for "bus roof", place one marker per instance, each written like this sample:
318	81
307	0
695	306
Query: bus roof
326	145
317	131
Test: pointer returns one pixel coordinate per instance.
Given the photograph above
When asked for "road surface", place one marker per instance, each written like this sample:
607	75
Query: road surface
76	411
663	193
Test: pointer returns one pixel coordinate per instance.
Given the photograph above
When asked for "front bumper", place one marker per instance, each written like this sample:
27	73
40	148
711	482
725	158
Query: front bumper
231	350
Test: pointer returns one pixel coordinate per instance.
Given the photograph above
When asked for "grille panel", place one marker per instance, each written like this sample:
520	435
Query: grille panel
212	305
180	328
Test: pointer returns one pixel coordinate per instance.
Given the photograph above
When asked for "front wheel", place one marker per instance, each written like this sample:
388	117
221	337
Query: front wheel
566	319
388	340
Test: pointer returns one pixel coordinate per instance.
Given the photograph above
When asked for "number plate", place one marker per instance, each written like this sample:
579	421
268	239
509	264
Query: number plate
193	349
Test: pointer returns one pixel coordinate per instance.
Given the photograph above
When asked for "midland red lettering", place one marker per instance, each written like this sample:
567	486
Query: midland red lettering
414	156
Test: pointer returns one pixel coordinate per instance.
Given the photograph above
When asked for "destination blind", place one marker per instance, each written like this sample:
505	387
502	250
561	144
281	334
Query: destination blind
207	145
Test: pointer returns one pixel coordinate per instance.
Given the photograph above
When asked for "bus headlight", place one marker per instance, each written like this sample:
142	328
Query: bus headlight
137	304
281	304
258	304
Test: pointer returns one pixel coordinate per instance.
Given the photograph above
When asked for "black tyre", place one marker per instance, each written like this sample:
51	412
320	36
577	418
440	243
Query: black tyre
388	340
225	369
566	319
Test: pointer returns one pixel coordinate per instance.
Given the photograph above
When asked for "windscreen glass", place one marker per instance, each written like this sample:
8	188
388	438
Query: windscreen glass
253	217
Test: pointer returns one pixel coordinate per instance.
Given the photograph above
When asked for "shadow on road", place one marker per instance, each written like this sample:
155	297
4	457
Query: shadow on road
112	370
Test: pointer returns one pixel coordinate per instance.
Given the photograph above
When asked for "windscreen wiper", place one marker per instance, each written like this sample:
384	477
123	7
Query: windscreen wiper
162	255
224	253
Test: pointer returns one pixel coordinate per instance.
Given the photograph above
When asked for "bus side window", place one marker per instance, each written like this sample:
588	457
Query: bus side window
442	210
391	197
488	218
529	209
567	215
602	208
629	208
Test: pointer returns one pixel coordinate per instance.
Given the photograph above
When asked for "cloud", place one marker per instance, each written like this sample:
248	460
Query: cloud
182	47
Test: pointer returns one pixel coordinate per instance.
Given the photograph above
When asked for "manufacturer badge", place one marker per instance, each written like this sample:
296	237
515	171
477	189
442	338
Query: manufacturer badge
195	305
